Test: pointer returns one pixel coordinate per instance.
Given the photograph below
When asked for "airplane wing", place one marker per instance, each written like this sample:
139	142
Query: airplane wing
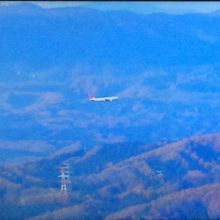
108	100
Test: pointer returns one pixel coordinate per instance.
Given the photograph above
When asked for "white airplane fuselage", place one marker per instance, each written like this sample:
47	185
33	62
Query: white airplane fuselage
103	99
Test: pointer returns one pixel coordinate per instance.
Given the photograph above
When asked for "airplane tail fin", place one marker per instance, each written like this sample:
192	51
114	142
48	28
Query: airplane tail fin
91	96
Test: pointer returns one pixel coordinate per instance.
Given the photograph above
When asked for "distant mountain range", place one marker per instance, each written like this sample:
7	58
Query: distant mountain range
43	38
164	68
119	181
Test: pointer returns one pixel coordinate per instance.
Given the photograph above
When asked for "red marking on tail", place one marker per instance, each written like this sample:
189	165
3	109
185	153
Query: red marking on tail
91	96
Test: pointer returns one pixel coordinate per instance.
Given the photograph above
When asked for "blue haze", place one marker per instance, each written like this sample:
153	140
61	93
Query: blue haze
164	68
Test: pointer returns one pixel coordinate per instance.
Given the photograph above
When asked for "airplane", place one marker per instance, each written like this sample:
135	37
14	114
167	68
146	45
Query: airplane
103	99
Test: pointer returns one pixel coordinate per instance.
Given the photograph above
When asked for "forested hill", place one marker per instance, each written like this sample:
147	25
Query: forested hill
118	181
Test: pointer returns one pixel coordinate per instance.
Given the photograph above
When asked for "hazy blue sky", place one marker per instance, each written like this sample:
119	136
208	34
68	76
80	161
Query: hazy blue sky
140	7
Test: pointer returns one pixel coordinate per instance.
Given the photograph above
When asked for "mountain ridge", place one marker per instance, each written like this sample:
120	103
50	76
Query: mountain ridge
132	184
